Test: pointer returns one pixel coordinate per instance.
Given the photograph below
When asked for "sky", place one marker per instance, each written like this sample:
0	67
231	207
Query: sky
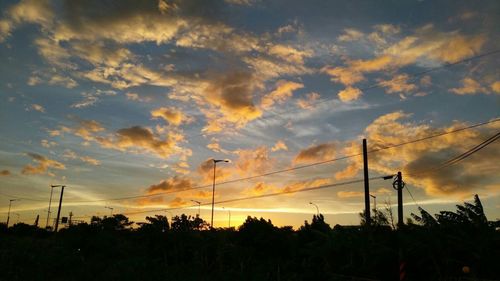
127	103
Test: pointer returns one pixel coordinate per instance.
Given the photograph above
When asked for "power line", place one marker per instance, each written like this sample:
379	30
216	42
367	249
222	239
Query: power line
253	197
288	169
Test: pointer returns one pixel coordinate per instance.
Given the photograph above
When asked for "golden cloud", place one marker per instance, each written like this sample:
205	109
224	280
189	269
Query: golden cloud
172	115
232	95
315	153
469	87
308	102
349	94
495	86
289	53
350	34
43	164
350	194
398	83
416	159
172	184
284	90
279	145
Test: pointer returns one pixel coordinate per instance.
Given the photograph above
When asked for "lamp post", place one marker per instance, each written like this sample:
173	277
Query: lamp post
50	202
213	190
374	201
229	216
59	209
317	209
199	204
110	208
8	214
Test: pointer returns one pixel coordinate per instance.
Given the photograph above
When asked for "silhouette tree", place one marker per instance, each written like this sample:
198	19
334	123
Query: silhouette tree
157	223
115	222
188	223
379	218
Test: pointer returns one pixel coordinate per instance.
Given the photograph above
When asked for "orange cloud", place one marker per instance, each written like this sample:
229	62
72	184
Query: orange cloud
43	164
284	90
349	94
416	159
4	173
172	184
495	86
349	194
398	83
469	87
350	34
315	153
232	95
279	145
172	115
308	102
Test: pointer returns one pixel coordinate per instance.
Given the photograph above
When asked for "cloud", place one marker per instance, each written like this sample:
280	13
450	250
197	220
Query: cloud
253	161
344	75
350	194
309	101
47	143
425	45
259	189
398	83
232	95
172	115
315	153
135	139
38	108
171	184
469	87
4	173
66	82
284	90
279	145
495	86
350	34
137	97
289	53
416	160
69	154
349	94
92	98
42	165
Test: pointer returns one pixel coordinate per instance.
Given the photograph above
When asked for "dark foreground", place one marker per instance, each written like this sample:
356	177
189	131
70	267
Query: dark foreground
446	248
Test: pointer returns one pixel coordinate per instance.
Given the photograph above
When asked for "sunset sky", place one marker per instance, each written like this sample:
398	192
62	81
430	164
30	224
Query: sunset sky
134	98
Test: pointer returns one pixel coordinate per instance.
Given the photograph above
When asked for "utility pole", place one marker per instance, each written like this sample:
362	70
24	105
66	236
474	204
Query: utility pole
213	190
399	184
8	214
59	209
367	185
50	202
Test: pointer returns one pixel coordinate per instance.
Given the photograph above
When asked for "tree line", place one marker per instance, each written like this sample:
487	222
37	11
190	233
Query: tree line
460	245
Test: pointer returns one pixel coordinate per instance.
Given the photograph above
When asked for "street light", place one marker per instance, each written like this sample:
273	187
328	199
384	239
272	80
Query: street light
110	208
213	190
317	209
199	204
374	201
8	214
229	216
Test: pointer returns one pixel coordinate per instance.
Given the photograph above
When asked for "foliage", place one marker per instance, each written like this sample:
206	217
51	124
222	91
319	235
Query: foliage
435	248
